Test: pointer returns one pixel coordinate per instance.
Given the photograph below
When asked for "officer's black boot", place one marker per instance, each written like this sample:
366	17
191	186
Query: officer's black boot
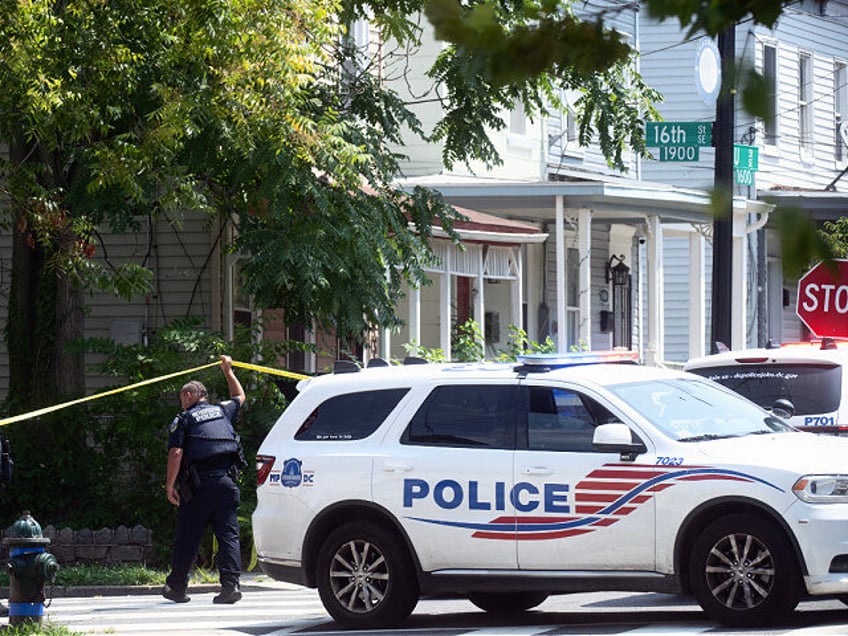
228	596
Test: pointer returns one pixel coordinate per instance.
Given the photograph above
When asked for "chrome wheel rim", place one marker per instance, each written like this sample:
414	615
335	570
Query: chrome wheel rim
359	576
740	571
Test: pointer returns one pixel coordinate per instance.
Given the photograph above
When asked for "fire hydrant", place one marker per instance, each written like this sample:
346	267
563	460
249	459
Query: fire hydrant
30	567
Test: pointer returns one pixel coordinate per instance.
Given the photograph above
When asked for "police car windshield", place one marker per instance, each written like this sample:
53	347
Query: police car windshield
693	410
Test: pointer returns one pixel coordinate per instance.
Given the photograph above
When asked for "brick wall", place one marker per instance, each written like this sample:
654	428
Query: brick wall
104	546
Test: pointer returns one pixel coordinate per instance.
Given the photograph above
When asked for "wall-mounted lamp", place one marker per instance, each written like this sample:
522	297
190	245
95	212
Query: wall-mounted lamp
617	274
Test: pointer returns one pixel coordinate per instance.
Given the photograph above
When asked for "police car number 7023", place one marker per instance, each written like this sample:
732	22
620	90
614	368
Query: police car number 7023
506	483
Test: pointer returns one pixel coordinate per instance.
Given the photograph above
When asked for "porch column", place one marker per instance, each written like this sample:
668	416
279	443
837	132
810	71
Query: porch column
697	294
654	353
560	277
584	246
477	291
414	317
445	306
517	290
534	299
386	334
739	314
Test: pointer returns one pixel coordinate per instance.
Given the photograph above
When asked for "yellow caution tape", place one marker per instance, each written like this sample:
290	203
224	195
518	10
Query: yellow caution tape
256	367
56	407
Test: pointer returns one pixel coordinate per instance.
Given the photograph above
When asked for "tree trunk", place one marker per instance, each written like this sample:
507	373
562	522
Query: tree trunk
45	313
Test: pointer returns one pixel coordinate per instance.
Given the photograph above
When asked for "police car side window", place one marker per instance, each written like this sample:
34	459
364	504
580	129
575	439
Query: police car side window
472	416
562	420
349	417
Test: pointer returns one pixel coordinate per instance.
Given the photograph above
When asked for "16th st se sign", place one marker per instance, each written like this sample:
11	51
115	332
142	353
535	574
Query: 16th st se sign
823	299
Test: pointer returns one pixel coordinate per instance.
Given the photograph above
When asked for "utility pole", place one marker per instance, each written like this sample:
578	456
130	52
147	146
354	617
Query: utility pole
725	122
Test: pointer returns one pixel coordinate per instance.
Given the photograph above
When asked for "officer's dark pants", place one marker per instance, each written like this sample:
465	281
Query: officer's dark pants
215	502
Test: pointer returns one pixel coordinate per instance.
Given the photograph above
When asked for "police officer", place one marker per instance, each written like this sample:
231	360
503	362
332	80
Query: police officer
203	462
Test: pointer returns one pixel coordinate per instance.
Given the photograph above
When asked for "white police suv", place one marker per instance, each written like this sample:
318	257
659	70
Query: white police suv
506	483
806	382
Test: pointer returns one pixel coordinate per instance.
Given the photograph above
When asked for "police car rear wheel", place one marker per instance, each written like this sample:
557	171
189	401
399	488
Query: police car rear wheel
365	577
504	603
744	573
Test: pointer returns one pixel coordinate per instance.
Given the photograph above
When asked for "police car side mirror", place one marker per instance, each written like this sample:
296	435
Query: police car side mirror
617	438
783	408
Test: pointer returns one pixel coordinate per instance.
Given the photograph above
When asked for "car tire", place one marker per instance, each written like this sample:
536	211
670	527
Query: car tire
365	577
744	573
506	603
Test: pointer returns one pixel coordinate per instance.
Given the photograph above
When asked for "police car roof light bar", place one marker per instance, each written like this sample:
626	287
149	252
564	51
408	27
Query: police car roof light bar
544	361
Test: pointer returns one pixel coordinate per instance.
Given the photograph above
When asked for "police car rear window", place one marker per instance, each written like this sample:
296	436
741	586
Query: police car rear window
812	388
349	417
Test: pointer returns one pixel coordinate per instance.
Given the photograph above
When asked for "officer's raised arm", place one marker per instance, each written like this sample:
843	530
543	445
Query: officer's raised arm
236	390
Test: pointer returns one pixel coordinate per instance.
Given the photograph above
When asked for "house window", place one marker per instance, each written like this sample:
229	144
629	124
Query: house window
518	120
770	75
805	101
244	313
840	104
570	125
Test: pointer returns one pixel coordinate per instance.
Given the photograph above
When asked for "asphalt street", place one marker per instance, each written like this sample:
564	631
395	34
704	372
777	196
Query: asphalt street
271	608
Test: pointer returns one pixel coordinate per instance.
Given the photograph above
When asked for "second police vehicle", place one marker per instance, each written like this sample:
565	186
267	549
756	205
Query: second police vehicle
806	381
506	483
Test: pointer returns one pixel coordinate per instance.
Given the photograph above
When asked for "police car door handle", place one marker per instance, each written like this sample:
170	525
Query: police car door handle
396	468
537	470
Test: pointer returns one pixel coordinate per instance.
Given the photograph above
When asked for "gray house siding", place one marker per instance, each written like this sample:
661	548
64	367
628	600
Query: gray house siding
676	306
182	261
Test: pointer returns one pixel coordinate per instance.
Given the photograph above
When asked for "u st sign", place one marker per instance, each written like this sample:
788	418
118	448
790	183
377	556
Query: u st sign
823	299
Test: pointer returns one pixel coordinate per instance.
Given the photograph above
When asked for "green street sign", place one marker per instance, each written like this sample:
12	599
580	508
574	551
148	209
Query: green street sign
679	153
744	176
746	157
678	133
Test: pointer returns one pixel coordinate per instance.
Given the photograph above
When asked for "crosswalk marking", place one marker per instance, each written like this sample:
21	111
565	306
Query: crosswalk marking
294	611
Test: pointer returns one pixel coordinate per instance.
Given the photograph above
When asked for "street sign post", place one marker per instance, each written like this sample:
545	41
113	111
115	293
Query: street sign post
823	299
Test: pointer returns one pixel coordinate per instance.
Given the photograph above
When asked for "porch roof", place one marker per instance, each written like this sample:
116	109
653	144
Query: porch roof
495	229
611	199
820	205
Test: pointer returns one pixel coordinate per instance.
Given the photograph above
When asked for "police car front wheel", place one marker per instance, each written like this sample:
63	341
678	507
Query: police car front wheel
743	571
365	577
505	603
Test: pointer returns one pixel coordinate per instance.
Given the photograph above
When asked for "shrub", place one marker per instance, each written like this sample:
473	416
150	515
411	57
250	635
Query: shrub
102	463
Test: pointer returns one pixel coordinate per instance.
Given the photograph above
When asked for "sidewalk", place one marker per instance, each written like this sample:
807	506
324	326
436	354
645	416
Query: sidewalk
249	581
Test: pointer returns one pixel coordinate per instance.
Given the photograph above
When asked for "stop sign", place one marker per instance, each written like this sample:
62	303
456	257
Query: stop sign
823	299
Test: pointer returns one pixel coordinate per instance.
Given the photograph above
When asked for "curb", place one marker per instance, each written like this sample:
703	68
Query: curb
71	591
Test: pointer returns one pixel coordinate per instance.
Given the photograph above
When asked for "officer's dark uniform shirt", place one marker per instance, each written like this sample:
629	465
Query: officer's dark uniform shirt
205	433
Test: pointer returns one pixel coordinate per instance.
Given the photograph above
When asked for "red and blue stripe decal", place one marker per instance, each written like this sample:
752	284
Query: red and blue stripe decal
602	498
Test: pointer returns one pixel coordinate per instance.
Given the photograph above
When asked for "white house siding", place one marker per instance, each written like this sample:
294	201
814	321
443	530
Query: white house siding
785	165
565	155
418	90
